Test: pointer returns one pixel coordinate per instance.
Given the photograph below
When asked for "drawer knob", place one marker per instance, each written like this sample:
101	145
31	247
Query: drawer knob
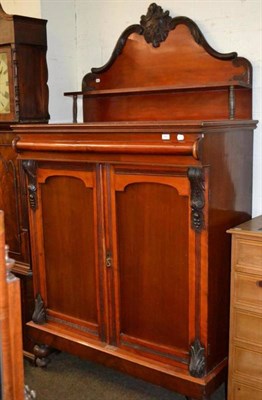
259	283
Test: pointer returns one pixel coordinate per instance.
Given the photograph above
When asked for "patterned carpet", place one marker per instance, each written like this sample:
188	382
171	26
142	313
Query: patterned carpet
70	378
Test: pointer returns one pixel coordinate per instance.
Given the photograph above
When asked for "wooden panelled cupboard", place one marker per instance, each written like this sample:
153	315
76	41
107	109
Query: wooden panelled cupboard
129	210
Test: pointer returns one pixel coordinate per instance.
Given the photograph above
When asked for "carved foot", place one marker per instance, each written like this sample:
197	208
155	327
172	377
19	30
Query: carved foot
29	394
41	353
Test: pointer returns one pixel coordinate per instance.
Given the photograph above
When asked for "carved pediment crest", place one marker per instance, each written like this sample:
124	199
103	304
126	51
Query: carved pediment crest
156	24
155	27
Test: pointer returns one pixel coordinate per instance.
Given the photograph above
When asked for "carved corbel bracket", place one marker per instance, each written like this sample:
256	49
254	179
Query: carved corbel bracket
197	365
30	168
195	176
39	314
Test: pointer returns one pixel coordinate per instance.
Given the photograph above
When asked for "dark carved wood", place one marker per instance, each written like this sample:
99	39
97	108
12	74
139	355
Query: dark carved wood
197	365
39	314
195	176
41	352
30	169
156	24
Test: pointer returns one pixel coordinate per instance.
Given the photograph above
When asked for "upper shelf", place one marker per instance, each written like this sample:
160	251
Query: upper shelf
164	68
156	89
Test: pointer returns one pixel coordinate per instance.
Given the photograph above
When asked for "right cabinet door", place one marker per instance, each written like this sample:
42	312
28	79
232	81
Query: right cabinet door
155	265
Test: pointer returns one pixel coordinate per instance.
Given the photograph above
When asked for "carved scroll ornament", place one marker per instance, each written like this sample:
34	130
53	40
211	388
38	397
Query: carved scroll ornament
39	314
30	167
195	176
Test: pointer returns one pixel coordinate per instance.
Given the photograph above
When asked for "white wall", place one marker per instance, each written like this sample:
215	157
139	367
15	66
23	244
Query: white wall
30	8
83	33
61	56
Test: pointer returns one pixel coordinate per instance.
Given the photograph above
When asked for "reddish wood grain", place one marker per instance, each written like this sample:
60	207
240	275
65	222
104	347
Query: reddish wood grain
12	369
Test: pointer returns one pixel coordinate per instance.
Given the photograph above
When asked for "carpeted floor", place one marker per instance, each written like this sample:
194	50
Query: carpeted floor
70	378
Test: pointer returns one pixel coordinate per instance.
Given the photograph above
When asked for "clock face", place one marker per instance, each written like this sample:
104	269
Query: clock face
4	85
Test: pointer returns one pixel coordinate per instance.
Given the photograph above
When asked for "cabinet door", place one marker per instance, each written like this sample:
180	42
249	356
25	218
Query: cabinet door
155	271
64	249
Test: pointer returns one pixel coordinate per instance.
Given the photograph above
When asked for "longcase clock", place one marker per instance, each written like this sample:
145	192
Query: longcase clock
23	99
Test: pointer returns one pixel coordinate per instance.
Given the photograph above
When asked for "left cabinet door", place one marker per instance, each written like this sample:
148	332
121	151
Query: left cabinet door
63	203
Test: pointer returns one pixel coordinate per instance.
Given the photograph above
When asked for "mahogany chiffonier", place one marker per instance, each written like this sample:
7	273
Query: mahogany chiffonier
23	99
245	356
129	210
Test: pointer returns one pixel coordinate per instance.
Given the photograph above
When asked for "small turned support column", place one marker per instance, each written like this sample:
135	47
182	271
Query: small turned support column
232	102
74	96
75	108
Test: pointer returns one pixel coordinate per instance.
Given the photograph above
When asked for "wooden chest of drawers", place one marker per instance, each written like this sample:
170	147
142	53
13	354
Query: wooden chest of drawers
245	356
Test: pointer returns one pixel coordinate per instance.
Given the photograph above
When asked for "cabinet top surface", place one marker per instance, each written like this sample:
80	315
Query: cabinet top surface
133	126
252	227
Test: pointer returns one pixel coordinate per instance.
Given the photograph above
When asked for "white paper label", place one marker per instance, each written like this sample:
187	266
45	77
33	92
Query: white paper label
165	136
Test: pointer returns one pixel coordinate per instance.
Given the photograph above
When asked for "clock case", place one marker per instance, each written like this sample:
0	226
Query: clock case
24	41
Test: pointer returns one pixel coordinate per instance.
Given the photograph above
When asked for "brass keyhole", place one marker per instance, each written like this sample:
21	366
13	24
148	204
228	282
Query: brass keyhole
108	260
